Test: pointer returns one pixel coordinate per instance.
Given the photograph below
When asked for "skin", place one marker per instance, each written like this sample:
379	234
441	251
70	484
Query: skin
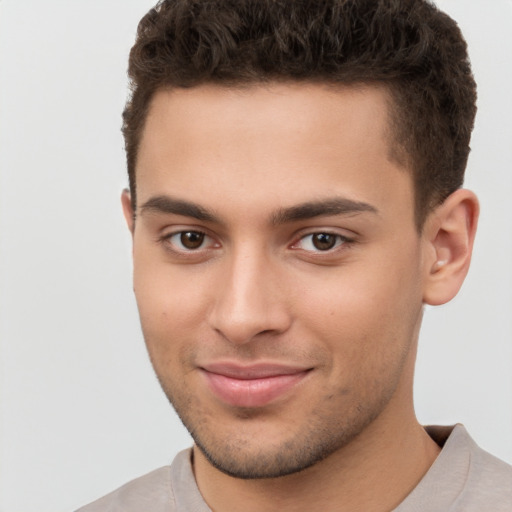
235	168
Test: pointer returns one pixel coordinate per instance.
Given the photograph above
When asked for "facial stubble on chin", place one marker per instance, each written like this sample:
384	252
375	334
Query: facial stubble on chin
234	455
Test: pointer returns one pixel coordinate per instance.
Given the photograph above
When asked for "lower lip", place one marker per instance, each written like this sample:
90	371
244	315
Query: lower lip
252	392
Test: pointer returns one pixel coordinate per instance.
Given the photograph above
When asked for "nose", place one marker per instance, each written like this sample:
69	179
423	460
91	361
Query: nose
250	300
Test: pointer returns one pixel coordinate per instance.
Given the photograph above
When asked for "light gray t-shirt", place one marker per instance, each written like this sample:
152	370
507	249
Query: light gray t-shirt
463	478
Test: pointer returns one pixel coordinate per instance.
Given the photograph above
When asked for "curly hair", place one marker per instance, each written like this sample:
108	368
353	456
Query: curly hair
410	46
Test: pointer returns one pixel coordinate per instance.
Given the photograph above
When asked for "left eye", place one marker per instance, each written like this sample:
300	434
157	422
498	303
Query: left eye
320	242
189	240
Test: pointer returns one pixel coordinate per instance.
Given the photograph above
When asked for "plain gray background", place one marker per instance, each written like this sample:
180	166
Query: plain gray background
81	411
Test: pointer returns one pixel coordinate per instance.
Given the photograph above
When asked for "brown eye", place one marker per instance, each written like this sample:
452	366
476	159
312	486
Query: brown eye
324	241
321	241
191	244
191	239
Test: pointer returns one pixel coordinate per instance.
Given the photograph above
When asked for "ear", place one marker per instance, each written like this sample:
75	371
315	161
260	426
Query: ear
126	202
449	233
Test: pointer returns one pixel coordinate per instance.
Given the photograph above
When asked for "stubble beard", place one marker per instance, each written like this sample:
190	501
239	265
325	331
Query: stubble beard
241	456
303	439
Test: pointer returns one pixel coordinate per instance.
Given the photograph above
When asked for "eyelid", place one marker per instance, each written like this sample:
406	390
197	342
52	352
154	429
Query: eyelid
342	241
211	241
166	236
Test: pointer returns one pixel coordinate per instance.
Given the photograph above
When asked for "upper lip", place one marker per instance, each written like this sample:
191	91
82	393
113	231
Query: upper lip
252	371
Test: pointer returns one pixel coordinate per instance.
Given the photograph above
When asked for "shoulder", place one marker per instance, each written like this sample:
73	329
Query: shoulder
463	478
486	480
151	493
167	489
489	483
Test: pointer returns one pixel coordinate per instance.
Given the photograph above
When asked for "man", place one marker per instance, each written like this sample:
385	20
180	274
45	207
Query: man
295	199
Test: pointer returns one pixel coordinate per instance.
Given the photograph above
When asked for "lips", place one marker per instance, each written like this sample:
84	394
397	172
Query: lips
251	386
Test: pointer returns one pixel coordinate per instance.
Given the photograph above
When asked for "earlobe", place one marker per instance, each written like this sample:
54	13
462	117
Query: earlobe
126	203
449	234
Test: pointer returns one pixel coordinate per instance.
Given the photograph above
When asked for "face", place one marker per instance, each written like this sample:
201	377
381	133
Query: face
277	269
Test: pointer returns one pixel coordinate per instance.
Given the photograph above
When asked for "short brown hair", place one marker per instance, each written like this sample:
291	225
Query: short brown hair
410	46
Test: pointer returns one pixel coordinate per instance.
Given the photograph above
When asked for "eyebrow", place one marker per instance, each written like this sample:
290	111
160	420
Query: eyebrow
325	207
170	205
322	208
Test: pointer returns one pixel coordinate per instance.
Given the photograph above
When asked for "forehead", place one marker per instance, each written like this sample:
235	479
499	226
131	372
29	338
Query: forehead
261	110
290	142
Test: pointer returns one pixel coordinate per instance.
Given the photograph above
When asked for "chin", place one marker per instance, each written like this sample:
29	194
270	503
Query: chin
275	451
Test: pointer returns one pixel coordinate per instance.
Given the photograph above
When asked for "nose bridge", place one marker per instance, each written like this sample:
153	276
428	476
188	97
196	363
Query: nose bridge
248	300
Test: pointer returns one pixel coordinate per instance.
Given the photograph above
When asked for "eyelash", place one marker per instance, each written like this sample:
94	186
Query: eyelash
340	242
167	240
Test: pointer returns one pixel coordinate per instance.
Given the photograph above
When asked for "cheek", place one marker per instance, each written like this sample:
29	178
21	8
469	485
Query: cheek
167	293
171	306
360	299
366	308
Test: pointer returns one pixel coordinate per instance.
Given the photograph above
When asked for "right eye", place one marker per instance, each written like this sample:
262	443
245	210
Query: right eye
190	240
